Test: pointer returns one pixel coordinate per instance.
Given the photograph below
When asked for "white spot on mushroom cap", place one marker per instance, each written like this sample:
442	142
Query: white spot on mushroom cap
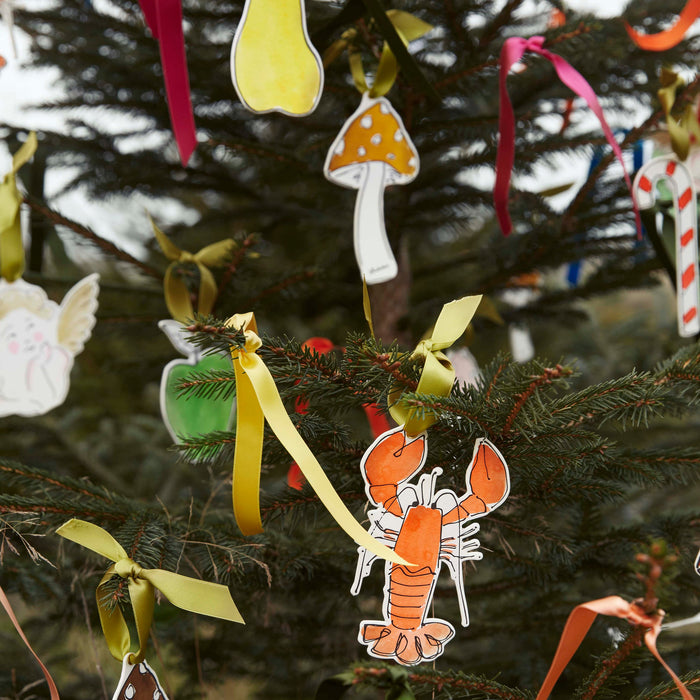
376	139
412	162
156	695
340	147
361	151
383	108
130	691
366	122
398	136
142	668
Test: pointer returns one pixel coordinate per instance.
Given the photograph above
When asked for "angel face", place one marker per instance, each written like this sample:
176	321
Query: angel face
38	342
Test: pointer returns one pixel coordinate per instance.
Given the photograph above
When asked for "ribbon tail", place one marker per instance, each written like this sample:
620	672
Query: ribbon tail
177	83
662	41
250	424
148	7
512	51
143	602
576	82
177	296
113	624
11	248
11	614
207	290
650	640
194	595
266	391
575	629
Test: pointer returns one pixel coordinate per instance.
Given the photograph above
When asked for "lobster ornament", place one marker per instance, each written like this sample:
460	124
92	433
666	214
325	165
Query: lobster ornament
426	528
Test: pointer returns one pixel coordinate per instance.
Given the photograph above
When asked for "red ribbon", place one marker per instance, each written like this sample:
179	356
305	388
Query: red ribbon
580	621
672	36
164	19
11	613
512	51
378	421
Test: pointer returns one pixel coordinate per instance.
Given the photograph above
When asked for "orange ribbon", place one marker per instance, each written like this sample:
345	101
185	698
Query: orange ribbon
580	621
11	614
669	38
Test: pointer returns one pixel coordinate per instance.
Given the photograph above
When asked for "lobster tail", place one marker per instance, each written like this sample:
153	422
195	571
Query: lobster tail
407	647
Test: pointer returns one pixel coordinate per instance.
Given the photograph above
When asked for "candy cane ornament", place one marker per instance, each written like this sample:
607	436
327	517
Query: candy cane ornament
680	181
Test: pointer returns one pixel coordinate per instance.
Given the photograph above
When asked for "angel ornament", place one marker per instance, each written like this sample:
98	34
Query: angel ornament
39	340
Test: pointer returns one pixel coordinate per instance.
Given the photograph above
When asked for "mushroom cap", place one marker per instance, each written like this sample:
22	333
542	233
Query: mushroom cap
374	133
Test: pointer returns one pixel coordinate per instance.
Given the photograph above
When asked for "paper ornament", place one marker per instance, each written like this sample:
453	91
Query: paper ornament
189	416
426	528
372	151
38	342
274	66
138	682
680	181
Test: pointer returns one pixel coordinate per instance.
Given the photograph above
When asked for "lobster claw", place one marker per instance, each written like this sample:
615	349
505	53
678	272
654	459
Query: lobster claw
391	459
488	483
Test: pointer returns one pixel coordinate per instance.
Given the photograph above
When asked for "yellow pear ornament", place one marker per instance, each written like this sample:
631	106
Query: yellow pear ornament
274	67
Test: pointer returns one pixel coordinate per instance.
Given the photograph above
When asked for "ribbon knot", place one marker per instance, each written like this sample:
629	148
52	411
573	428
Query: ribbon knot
438	375
187	593
535	43
128	568
177	295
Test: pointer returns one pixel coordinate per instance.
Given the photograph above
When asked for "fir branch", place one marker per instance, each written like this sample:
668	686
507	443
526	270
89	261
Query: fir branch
232	266
476	686
545	378
106	246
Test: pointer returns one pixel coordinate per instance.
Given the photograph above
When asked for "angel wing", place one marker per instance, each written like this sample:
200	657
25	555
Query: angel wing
77	314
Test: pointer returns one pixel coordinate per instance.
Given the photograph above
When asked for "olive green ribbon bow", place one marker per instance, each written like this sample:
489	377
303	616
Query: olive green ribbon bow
258	400
187	593
437	375
11	250
407	27
177	296
680	131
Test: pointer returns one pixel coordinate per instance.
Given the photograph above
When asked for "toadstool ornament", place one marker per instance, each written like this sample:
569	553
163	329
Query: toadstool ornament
38	343
138	682
274	66
371	152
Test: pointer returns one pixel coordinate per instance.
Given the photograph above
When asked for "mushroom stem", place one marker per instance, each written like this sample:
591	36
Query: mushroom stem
372	250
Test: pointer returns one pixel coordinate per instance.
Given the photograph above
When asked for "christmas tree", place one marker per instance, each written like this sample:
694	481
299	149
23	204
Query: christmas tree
600	441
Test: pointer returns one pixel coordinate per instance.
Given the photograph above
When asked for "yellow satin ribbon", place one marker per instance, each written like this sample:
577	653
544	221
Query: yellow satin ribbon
680	131
407	27
177	296
258	399
187	593
11	249
438	375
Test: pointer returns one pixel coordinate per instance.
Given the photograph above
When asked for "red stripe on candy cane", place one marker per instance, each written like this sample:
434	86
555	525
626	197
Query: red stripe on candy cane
689	315
671	167
688	275
687	237
645	184
685	198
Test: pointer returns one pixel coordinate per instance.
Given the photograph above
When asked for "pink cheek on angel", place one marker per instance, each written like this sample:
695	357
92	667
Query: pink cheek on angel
13	347
38	336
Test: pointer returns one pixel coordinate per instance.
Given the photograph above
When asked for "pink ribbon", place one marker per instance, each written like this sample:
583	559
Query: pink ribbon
164	19
11	613
512	51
